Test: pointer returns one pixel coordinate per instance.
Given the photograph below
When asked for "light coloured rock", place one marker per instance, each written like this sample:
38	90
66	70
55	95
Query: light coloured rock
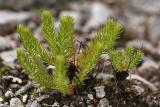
9	57
154	26
146	46
6	43
16	102
139	90
8	16
24	88
1	99
35	103
9	93
47	2
4	105
56	104
65	106
24	98
100	93
90	96
104	76
134	24
16	4
14	79
99	13
148	65
148	6
104	103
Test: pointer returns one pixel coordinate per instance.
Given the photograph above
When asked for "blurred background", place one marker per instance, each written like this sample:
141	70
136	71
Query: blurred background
140	18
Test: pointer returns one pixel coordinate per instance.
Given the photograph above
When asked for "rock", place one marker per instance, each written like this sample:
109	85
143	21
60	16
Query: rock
16	4
24	88
41	98
46	2
65	106
6	44
147	47
90	96
14	79
104	76
1	99
99	13
9	93
9	57
9	20
8	17
4	105
100	93
35	103
16	102
24	98
138	90
154	26
104	103
134	25
148	65
14	86
56	104
146	6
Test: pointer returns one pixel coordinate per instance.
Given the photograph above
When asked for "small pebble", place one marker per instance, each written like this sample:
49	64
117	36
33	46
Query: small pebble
90	96
56	104
9	93
100	93
1	99
104	103
35	104
16	102
24	98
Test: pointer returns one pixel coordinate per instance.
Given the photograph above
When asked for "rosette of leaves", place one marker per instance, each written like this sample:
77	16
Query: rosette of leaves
124	61
34	56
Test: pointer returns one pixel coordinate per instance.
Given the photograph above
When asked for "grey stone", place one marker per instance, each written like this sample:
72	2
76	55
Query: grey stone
9	93
139	90
8	16
154	26
16	4
9	57
99	13
35	103
16	102
100	93
6	44
90	96
148	6
104	103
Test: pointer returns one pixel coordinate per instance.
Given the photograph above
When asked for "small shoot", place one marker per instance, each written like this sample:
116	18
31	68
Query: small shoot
123	62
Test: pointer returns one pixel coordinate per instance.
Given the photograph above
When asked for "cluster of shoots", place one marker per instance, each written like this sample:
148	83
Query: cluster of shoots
70	70
124	61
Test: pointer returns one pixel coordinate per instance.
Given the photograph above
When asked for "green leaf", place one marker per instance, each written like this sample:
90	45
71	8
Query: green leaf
34	67
65	35
49	33
31	44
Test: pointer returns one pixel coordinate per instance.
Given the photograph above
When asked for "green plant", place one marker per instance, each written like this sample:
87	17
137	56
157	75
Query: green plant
123	61
61	53
3	68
